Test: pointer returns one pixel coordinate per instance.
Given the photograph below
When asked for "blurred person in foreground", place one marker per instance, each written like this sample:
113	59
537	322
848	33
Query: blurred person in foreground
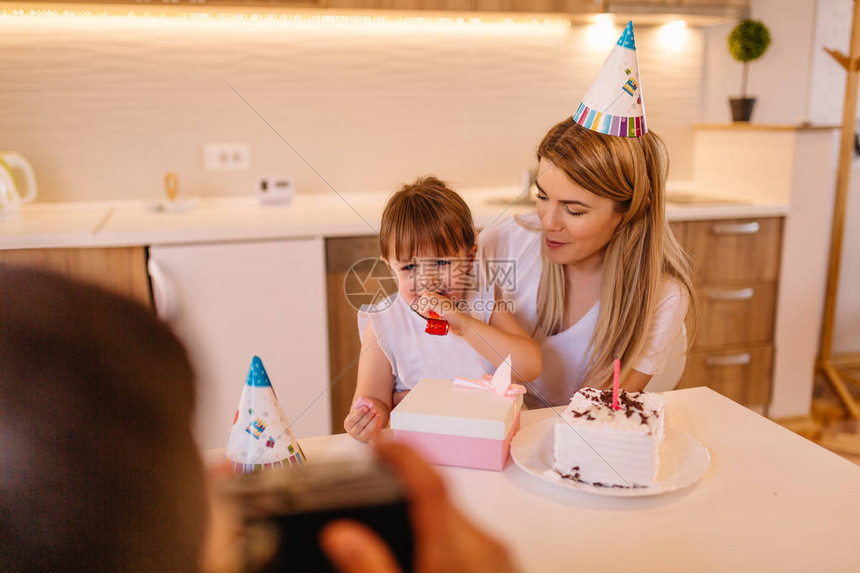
98	467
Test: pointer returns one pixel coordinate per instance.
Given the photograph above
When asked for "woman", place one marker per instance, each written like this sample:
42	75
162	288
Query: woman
599	273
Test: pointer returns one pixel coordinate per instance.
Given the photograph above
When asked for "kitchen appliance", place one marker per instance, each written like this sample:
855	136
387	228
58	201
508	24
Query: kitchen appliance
11	196
230	301
276	190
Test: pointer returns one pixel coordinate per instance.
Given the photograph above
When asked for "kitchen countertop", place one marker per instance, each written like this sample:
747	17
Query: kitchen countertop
132	223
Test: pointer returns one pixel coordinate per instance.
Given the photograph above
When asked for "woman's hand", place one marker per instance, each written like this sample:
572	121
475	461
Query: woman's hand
444	539
364	422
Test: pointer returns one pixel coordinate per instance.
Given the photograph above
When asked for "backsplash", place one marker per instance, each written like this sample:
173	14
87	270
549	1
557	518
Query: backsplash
103	107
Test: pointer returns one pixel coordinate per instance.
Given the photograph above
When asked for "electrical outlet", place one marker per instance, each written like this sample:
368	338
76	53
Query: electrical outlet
227	156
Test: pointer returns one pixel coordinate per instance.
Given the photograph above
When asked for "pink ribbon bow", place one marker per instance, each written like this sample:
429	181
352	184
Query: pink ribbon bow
486	383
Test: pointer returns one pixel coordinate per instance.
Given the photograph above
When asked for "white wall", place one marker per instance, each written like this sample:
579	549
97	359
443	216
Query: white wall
846	335
780	79
103	110
833	30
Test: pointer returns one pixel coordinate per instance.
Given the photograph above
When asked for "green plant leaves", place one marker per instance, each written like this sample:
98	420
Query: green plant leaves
748	40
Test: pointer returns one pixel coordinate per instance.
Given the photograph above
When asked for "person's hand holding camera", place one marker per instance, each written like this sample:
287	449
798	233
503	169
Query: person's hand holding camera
444	540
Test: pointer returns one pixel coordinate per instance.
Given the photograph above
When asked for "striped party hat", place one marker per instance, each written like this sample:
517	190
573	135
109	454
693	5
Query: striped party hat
261	436
613	104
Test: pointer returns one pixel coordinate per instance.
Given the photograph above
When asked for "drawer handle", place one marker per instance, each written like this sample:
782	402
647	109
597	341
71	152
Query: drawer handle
737	294
730	360
736	228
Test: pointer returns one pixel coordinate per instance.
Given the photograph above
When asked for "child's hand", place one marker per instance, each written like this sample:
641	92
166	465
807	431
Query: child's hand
446	309
429	301
365	419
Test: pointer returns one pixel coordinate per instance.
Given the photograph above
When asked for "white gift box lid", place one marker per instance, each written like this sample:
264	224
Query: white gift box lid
440	407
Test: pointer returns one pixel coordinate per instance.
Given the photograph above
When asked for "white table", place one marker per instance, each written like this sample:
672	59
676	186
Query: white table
770	501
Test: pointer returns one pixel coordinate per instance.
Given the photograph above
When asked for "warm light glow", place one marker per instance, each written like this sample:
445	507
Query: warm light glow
602	34
674	34
98	16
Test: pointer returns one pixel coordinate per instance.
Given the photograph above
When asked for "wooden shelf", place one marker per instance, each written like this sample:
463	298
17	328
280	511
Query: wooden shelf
743	126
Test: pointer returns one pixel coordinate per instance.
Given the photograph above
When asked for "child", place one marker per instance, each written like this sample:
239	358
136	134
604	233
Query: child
428	239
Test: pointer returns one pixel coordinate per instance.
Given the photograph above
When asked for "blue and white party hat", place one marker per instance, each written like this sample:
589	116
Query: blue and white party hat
614	104
261	436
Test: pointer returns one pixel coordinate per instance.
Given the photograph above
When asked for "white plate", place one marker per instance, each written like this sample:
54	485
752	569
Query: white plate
683	461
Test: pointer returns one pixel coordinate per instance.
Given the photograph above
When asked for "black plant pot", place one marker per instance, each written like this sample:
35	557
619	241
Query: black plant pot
742	108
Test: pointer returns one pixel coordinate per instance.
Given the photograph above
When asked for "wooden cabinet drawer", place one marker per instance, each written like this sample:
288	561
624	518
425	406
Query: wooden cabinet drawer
343	252
736	314
343	340
679	229
121	270
734	250
740	374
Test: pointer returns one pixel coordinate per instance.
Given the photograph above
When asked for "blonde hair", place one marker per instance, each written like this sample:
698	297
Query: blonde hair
424	217
643	250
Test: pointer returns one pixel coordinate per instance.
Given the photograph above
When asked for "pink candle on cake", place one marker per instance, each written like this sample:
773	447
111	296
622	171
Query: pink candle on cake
616	382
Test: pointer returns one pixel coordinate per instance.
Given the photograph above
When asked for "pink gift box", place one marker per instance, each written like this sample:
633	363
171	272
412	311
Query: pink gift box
454	426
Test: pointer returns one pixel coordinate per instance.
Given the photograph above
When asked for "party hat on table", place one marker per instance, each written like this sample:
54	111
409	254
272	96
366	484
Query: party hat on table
614	104
261	436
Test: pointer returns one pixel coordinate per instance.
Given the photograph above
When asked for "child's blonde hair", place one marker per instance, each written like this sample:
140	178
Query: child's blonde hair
632	173
425	217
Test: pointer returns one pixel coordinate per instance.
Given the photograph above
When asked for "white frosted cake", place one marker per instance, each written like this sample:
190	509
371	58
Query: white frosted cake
598	445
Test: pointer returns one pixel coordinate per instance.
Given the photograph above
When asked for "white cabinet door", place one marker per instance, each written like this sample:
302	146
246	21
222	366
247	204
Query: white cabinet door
231	301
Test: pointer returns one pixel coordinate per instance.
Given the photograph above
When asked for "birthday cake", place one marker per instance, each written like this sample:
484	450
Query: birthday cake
599	445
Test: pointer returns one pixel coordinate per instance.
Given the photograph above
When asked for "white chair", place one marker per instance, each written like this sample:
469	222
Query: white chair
674	368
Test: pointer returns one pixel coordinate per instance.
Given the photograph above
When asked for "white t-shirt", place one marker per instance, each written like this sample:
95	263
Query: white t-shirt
518	240
414	354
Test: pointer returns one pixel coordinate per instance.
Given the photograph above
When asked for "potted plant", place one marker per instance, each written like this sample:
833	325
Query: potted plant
747	42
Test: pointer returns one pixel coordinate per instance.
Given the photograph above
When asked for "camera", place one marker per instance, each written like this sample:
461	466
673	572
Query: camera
285	509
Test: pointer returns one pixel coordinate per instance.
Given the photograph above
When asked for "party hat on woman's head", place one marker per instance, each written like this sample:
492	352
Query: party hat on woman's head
261	436
614	104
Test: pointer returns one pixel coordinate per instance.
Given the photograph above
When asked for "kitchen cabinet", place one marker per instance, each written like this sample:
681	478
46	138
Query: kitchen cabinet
711	3
743	373
736	315
734	250
430	5
721	8
537	6
121	270
668	5
728	8
343	336
549	6
231	301
736	267
207	3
